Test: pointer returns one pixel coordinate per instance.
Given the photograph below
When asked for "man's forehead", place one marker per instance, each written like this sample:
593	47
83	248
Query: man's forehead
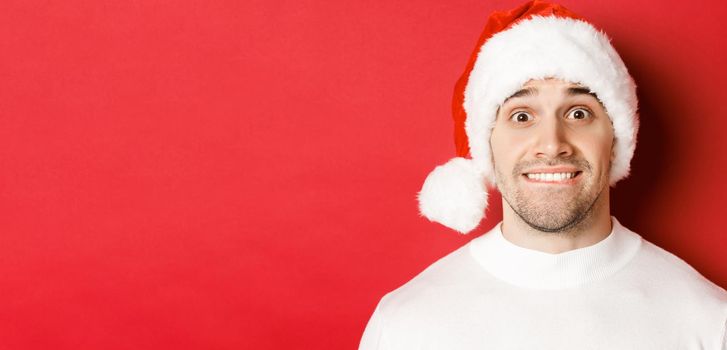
535	82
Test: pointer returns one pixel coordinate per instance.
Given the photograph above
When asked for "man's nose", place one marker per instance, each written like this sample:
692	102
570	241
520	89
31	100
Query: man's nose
552	139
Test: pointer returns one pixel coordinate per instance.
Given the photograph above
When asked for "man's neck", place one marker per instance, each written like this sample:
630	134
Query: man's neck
595	227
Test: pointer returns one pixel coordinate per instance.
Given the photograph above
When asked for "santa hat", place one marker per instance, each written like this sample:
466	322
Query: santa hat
537	40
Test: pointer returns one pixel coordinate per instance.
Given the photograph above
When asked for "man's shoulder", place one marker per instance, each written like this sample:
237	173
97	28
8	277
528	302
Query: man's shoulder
455	274
425	308
674	290
665	269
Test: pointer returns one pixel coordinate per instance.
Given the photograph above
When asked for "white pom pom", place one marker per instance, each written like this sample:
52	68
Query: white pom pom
454	195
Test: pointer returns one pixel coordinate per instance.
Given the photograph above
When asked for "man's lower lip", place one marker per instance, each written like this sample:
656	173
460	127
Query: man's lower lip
570	181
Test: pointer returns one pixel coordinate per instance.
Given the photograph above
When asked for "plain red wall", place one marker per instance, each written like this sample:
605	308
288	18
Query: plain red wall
227	175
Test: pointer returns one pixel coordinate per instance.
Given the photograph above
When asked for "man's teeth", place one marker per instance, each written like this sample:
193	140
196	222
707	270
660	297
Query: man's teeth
551	176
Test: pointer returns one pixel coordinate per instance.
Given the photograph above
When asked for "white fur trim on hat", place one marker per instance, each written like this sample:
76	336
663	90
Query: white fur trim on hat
454	195
542	47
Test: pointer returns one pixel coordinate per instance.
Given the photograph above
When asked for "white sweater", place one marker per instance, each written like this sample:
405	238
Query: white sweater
620	293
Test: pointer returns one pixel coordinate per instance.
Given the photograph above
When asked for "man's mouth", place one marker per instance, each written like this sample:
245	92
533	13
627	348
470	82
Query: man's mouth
552	177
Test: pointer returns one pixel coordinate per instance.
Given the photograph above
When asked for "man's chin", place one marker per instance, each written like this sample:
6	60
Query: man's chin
550	220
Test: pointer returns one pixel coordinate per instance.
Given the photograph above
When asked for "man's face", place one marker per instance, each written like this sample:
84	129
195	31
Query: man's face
552	150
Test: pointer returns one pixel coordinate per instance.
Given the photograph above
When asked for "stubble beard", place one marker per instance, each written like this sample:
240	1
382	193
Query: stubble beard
552	210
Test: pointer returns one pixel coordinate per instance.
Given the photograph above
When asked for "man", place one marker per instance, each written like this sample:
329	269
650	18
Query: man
547	111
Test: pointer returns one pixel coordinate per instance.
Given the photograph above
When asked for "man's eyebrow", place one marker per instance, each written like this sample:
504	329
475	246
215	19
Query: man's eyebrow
574	91
522	93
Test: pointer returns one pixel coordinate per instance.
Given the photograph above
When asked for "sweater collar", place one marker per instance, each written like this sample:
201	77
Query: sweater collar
534	269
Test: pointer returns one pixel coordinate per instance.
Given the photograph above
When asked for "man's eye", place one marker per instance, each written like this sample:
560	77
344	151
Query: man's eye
521	117
579	113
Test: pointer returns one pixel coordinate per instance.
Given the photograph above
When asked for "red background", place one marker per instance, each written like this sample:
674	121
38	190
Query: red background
226	175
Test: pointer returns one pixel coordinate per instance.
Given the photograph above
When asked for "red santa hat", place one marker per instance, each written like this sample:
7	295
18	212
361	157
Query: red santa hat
537	40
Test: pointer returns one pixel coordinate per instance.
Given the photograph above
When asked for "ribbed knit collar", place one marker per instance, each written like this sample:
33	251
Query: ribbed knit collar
534	269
